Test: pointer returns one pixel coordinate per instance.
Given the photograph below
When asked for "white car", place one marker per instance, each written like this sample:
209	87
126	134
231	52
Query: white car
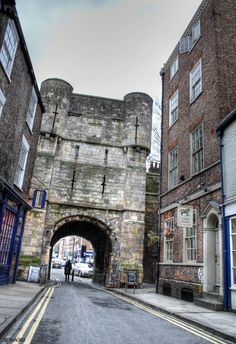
83	269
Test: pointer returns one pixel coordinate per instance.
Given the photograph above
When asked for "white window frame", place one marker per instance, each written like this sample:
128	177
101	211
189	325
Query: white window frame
173	168
32	109
197	152
174	67
174	108
2	101
9	47
196	32
195	78
168	242
232	253
20	170
189	238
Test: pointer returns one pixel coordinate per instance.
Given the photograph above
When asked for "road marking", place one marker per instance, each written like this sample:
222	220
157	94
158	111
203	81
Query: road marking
32	316
28	321
180	323
38	319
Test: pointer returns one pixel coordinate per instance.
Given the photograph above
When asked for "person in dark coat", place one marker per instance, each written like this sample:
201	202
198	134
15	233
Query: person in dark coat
67	270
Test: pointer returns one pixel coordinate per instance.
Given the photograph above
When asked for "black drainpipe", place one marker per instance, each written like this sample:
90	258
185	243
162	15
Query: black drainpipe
162	73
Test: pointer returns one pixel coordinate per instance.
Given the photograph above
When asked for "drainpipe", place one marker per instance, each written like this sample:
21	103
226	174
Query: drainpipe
226	265
162	73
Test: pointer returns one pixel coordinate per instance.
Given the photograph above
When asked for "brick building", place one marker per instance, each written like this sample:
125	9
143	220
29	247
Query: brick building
198	91
227	135
20	118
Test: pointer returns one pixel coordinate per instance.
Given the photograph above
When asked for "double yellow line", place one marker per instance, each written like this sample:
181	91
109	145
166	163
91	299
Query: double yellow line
171	319
36	316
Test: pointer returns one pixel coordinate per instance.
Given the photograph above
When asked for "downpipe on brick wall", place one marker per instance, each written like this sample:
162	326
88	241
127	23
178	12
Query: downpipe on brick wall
226	256
159	203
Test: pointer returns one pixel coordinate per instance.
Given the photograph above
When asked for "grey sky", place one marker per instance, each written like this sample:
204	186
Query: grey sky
104	47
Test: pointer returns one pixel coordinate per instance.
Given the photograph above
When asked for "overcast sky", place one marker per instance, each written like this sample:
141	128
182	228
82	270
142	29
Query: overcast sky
104	47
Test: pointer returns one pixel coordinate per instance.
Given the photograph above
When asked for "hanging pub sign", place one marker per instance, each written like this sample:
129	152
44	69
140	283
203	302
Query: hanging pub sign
39	199
185	216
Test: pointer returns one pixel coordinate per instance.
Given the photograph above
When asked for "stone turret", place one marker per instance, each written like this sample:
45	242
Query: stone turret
138	111
56	94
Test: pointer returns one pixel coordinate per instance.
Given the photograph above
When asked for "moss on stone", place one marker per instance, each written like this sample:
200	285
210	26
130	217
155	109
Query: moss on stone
26	260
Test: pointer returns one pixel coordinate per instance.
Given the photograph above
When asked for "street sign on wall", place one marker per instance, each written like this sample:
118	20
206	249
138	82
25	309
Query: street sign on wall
185	216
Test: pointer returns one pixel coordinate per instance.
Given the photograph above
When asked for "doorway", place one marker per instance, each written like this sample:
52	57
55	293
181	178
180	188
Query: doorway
213	255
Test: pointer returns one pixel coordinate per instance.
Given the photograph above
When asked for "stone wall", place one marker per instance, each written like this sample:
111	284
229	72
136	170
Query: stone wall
91	159
151	224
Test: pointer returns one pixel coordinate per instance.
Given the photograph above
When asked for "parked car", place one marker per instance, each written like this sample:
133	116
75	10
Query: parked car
56	264
83	269
63	262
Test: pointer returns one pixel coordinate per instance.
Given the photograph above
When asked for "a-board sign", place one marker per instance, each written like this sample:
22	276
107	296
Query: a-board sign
132	277
33	274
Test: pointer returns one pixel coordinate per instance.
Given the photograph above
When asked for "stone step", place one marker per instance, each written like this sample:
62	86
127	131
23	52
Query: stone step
209	303
213	296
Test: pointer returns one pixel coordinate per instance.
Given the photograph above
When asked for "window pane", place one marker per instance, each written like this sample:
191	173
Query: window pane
234	275
233	222
9	47
195	81
196	31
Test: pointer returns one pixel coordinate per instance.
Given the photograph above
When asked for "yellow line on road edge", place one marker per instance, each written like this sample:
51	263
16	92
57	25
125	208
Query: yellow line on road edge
38	319
174	321
27	323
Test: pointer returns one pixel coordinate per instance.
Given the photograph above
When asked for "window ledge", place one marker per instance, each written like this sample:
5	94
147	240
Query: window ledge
18	187
170	126
30	129
192	47
172	77
194	264
193	100
5	72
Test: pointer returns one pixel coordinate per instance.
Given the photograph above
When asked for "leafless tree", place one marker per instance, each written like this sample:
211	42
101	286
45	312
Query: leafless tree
154	155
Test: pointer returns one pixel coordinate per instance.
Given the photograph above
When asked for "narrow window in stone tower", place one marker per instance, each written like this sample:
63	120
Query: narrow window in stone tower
55	115
77	151
73	180
103	184
106	156
136	129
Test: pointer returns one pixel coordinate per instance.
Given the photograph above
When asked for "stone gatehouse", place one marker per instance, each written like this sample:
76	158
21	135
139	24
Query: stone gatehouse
91	162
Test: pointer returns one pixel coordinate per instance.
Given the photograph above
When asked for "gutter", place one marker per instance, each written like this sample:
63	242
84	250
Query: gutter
226	262
162	73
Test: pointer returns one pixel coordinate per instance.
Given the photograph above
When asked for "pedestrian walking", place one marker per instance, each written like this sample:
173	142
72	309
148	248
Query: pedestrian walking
67	270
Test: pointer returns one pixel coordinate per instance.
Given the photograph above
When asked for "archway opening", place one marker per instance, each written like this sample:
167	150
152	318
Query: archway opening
95	233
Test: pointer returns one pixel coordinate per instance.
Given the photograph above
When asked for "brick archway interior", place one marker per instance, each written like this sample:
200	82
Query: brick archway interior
97	234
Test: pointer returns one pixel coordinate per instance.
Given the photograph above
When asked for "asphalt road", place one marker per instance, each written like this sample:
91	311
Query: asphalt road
78	313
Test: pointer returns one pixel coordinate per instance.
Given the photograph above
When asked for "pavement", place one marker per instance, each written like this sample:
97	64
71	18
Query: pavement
15	299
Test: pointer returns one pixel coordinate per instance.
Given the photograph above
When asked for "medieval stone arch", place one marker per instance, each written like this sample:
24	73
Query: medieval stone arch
91	164
93	230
